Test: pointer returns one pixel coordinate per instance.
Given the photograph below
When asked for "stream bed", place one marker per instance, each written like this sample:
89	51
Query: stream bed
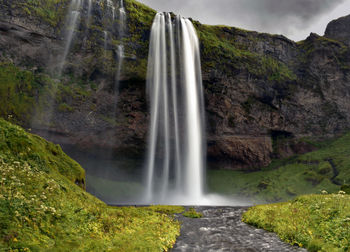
221	229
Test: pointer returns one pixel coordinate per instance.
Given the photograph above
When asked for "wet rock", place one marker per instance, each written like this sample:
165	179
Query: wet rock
245	101
221	229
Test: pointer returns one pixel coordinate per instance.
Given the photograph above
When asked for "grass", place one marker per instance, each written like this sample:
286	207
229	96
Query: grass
315	222
192	213
16	144
285	179
42	209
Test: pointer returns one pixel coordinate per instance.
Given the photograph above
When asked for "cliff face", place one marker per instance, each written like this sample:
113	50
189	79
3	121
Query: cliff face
339	30
263	92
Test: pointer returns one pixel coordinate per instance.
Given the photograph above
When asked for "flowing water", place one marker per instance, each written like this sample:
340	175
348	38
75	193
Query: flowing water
221	229
72	21
175	162
120	59
105	42
120	51
110	5
122	19
89	12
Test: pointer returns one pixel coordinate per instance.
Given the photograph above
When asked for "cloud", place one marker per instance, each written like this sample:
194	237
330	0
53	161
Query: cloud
288	17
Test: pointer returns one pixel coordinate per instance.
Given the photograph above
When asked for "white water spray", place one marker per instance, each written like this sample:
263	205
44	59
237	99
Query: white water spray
122	18
72	20
120	54
110	5
175	162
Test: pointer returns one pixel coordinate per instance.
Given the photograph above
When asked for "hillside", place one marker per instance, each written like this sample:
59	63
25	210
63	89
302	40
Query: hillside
327	168
42	208
258	87
315	222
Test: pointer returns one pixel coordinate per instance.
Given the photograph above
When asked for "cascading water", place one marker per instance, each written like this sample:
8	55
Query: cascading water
111	6
120	52
120	64
105	42
122	18
89	12
72	20
176	155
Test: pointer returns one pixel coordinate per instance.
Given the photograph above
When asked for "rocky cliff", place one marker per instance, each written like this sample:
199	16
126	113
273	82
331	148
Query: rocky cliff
264	93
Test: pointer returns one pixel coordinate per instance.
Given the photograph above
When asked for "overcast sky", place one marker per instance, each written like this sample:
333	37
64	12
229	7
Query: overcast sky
293	18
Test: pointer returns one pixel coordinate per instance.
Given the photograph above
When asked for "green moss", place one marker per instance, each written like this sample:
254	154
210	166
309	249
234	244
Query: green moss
139	21
25	93
170	210
16	144
311	45
316	222
17	91
192	213
283	179
50	11
220	49
41	209
64	107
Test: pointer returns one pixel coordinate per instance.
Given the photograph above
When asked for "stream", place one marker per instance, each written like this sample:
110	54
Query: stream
221	229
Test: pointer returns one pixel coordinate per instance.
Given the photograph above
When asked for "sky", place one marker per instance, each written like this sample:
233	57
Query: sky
295	19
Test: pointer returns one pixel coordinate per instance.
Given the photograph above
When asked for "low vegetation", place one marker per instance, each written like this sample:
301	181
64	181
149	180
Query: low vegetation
221	49
42	209
327	168
32	96
315	222
192	213
51	12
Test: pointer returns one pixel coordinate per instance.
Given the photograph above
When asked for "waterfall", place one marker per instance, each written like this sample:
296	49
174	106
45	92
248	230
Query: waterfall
72	20
175	160
122	18
105	42
120	51
120	54
111	6
89	12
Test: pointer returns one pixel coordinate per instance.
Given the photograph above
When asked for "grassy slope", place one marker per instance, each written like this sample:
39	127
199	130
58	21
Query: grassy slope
41	209
316	222
308	173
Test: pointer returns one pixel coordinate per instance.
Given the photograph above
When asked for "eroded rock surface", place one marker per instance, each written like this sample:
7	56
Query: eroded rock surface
263	93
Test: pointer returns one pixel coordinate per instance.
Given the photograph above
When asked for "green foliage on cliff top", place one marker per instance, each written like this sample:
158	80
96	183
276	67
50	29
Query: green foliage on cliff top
316	43
41	209
139	21
285	179
221	49
316	222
